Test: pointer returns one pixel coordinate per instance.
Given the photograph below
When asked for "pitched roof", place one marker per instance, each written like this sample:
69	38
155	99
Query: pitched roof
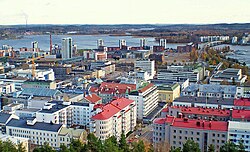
40	92
242	102
146	88
93	98
241	114
37	126
112	108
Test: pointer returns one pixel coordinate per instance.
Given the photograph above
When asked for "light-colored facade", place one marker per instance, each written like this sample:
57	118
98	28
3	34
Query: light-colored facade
169	93
117	117
67	113
67	48
16	140
40	133
146	99
210	90
146	65
176	131
229	75
239	131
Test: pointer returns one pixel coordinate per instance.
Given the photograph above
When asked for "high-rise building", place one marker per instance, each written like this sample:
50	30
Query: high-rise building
66	48
163	42
147	66
74	49
122	43
100	43
234	40
142	42
34	45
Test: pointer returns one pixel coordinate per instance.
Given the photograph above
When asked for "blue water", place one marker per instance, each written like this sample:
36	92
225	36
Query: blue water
82	41
242	53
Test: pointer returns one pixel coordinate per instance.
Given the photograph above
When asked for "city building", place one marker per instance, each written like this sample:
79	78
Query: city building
143	42
145	65
234	40
116	117
39	84
210	90
167	93
47	74
40	133
146	98
230	75
122	43
108	90
17	141
193	73
176	131
67	48
163	43
239	131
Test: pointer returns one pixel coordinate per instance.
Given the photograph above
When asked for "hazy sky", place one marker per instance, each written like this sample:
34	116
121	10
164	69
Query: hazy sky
123	11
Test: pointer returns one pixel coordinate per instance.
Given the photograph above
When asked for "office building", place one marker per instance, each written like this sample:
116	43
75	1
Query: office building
67	48
145	65
146	99
176	131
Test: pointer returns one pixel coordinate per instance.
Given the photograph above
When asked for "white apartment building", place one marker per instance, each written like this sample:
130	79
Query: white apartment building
39	74
176	131
239	131
146	99
40	133
67	113
211	90
67	48
146	65
117	117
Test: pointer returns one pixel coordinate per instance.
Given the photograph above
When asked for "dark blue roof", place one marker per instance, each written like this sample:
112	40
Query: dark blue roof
54	108
4	117
37	126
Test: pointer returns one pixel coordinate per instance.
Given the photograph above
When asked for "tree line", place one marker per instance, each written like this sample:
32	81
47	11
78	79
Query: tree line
94	144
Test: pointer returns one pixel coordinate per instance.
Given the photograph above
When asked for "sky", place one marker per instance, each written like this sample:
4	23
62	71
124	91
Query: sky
124	11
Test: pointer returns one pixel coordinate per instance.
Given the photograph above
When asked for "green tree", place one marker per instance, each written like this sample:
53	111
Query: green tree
175	149
211	148
123	143
94	144
190	145
44	148
110	145
138	147
7	146
20	148
229	147
241	146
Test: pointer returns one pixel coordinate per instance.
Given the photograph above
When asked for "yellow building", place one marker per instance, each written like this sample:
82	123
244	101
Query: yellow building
169	92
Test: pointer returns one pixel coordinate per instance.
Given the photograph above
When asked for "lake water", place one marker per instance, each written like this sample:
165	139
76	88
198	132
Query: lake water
82	41
242	53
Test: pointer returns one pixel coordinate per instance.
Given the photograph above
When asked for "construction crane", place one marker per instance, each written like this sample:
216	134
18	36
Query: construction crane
33	65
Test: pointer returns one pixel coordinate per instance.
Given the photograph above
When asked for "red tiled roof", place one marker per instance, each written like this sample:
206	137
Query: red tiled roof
112	108
93	98
204	125
205	111
165	110
118	85
242	102
241	114
146	88
192	123
160	121
115	88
